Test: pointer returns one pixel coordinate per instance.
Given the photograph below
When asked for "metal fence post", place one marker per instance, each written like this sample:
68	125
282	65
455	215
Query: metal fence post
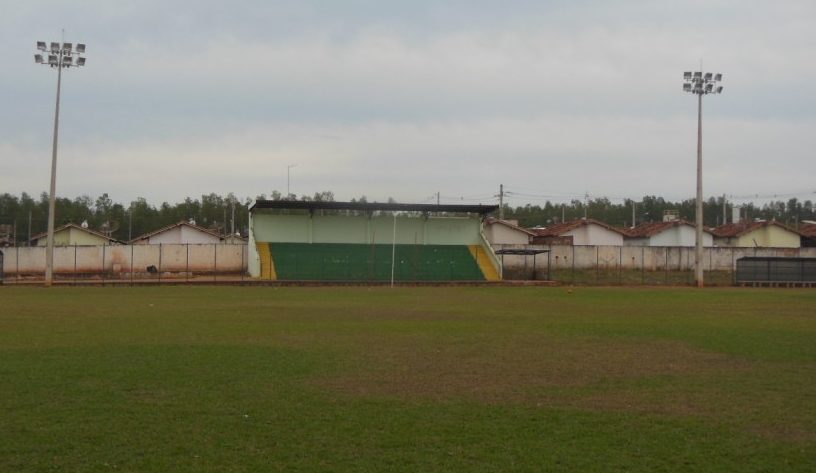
160	262
597	263
131	264
573	265
75	265
187	264
215	261
642	265
17	262
103	264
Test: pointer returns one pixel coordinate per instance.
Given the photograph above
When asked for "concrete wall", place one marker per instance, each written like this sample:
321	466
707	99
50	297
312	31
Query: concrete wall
650	258
116	259
363	229
360	229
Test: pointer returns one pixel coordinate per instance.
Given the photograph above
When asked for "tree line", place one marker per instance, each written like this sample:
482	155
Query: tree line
22	216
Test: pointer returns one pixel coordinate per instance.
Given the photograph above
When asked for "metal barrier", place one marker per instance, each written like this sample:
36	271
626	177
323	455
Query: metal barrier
775	270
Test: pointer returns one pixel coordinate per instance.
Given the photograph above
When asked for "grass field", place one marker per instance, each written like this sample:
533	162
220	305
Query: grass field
409	379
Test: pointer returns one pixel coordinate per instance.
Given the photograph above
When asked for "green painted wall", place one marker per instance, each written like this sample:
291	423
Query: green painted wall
364	230
372	262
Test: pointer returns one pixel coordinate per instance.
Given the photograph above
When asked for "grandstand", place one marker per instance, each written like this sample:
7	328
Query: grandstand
359	241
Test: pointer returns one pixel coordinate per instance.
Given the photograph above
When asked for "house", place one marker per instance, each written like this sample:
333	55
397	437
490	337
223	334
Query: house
178	233
579	232
761	233
666	233
506	232
72	234
807	230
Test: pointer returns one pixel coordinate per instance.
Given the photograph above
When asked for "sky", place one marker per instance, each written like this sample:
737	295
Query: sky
406	99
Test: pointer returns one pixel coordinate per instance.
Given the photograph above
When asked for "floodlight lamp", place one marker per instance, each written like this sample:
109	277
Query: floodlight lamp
687	87
52	59
687	75
718	77
67	47
80	48
80	61
55	47
708	88
708	76
698	75
41	45
38	58
67	61
719	89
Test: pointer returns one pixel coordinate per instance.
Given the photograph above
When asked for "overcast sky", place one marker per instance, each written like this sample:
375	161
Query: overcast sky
407	98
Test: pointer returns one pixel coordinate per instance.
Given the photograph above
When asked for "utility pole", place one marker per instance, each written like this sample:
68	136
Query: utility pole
586	204
563	213
725	210
437	197
28	241
288	192
130	222
501	201
633	214
232	225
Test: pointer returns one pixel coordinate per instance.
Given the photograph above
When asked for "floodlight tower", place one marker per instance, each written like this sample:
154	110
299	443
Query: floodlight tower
700	83
59	56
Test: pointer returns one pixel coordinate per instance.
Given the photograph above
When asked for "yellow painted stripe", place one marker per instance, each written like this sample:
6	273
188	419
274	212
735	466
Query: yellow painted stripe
267	263
485	264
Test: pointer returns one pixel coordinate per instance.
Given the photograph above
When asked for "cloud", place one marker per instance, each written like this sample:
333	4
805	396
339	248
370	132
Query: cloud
403	99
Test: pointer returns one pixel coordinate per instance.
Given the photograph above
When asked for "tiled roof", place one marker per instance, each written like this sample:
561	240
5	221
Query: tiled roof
561	228
808	229
169	227
738	229
653	228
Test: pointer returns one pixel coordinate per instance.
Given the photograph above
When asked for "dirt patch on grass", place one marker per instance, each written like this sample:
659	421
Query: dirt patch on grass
514	368
655	377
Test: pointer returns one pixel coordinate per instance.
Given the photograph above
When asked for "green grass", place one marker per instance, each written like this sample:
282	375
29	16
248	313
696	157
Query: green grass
407	379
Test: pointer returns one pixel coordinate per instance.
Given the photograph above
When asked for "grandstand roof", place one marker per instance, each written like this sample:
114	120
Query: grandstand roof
372	206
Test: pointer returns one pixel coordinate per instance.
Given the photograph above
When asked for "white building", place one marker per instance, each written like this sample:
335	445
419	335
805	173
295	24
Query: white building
579	232
671	233
178	233
506	232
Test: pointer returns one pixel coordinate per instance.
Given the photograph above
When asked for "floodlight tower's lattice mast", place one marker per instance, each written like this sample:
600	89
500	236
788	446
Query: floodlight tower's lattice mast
700	83
59	56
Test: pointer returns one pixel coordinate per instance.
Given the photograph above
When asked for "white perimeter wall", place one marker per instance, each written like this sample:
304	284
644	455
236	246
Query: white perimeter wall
194	258
651	258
